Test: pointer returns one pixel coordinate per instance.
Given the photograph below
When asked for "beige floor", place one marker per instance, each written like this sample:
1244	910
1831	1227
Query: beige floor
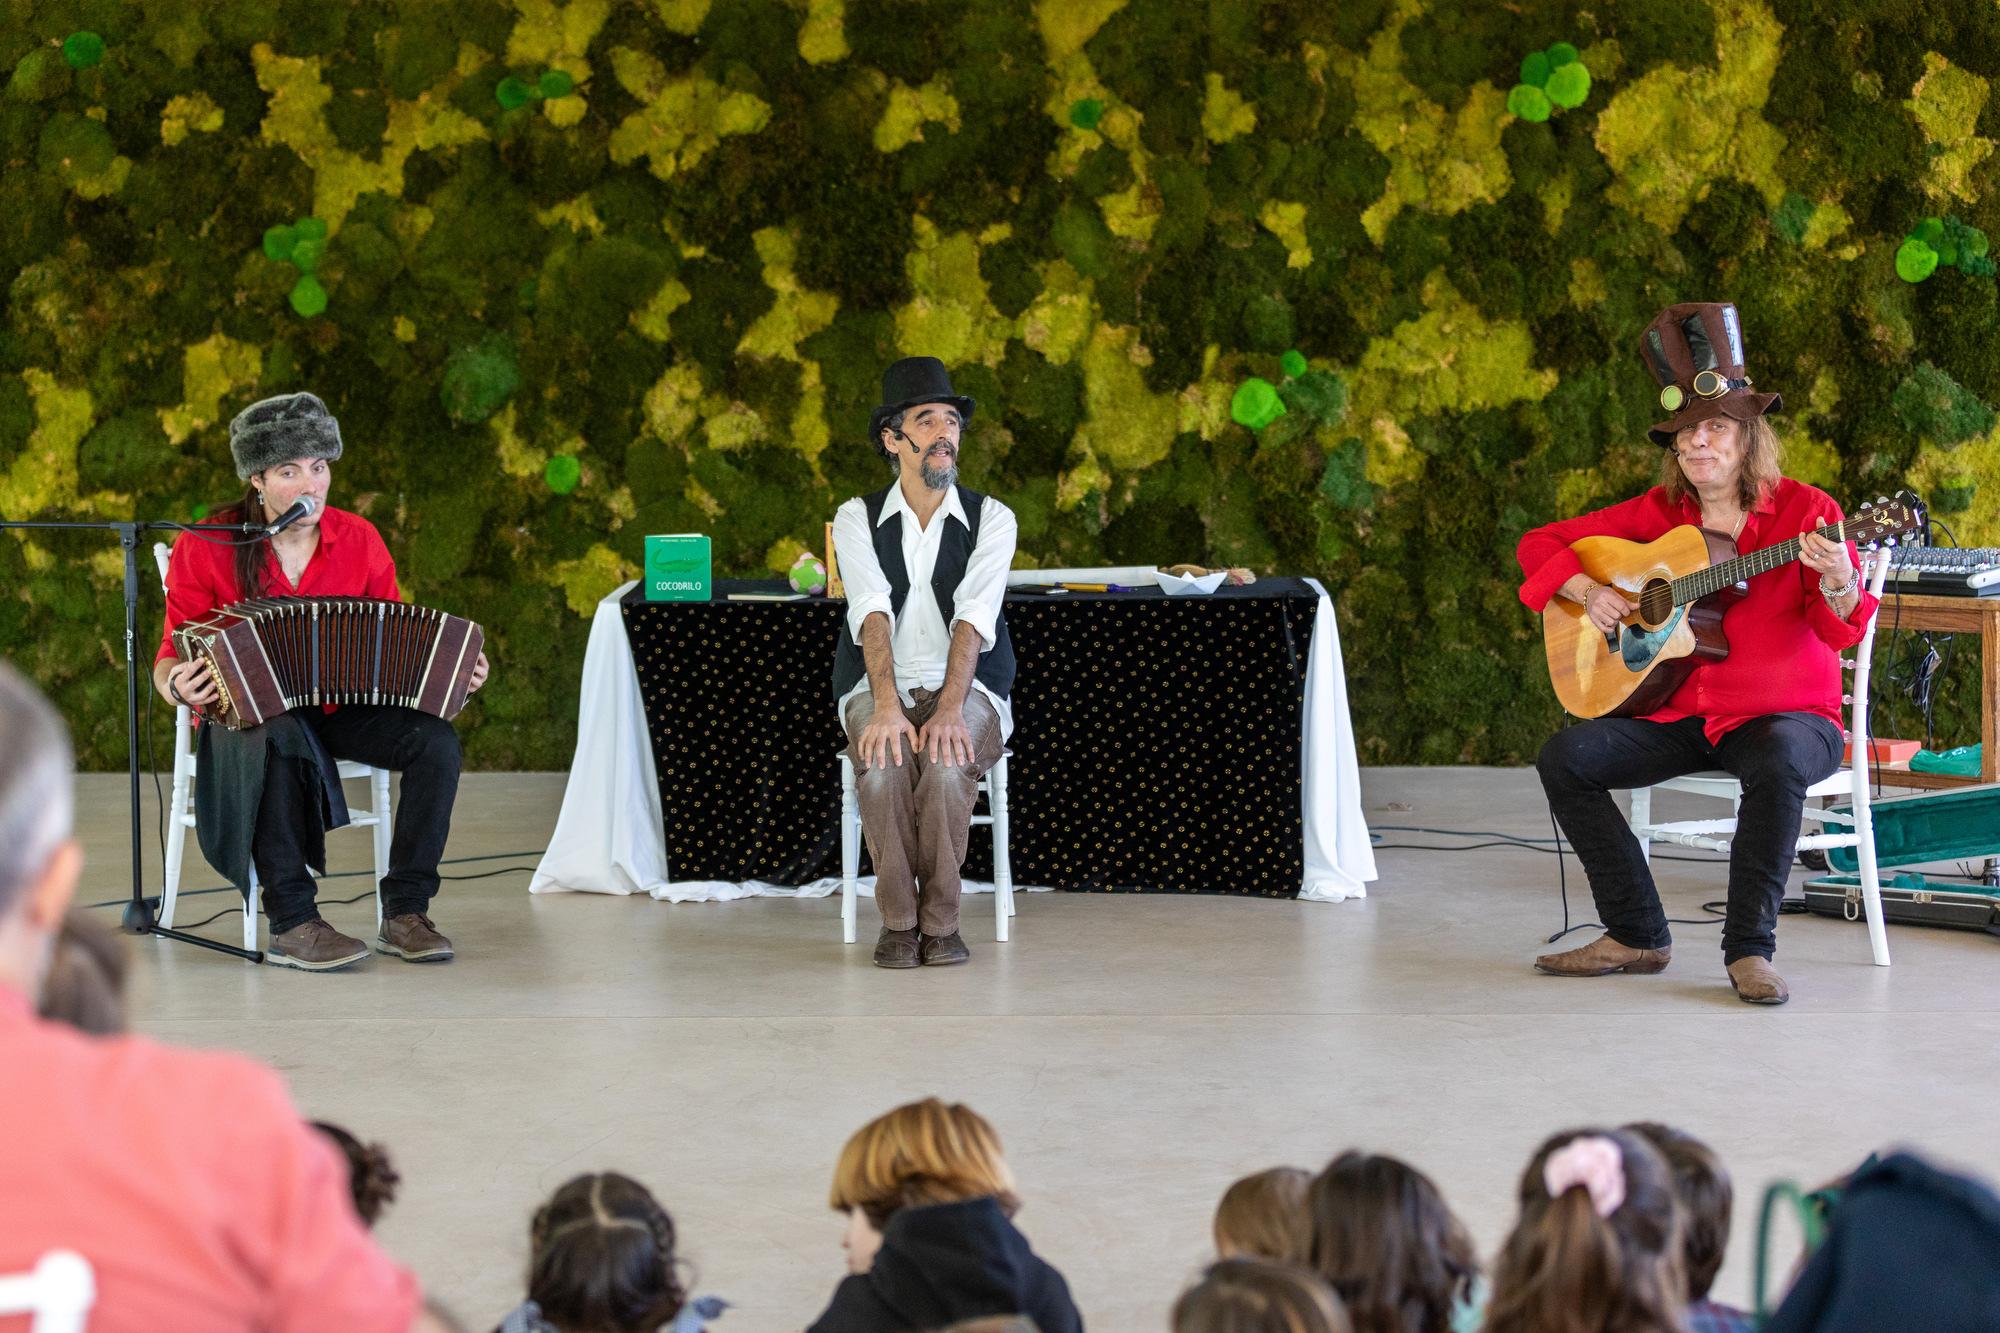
1136	1053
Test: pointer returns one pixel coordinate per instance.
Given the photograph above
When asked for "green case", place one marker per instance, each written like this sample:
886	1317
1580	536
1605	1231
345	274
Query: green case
677	568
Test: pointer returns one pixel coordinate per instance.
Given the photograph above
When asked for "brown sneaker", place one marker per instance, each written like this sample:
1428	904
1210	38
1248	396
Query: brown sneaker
1757	982
314	947
897	948
1601	957
411	936
944	950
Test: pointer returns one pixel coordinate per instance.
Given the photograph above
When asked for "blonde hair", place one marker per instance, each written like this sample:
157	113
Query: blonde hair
1763	459
927	1152
1264	1216
1259	1296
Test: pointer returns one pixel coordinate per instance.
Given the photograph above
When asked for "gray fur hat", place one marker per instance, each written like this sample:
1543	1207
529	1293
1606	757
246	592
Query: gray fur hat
278	430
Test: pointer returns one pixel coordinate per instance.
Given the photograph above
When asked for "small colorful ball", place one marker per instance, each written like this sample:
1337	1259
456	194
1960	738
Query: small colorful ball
808	573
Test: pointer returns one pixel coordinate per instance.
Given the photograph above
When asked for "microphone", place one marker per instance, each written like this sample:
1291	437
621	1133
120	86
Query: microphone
302	507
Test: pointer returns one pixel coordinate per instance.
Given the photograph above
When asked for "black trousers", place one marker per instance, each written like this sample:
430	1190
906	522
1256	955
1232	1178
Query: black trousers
424	749
1775	757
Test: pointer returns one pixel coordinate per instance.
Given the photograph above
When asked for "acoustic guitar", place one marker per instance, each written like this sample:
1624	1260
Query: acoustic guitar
1684	582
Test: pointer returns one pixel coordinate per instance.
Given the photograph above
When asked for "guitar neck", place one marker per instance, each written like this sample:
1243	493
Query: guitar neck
1693	587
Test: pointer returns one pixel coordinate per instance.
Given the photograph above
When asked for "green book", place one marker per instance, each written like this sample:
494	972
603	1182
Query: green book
677	568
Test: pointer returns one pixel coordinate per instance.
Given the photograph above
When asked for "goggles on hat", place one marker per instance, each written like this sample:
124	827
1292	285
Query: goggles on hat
1707	384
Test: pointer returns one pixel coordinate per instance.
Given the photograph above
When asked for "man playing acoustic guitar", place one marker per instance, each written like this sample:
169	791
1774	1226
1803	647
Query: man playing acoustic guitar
1768	712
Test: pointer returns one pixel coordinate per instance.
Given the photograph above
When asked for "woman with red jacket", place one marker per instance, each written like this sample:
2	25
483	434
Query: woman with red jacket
1768	713
265	796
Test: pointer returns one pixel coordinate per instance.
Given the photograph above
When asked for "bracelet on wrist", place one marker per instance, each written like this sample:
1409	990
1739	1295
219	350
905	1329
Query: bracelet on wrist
1843	592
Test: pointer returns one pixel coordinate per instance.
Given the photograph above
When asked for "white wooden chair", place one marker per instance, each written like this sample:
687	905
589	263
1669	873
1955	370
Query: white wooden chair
180	813
56	1293
993	784
1857	829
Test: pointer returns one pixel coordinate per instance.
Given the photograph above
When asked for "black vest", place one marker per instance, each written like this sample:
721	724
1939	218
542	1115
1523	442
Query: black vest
996	665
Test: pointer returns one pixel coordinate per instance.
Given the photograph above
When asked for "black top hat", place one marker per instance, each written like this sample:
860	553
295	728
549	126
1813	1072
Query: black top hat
913	380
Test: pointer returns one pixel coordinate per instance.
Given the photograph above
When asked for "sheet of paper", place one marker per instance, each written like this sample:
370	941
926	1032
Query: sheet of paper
1173	585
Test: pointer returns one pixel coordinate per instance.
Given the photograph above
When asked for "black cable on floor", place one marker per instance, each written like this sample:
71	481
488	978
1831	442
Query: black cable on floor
1517	842
351	874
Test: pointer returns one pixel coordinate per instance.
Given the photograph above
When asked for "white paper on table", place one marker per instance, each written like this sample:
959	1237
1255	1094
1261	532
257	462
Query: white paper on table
1130	576
1173	585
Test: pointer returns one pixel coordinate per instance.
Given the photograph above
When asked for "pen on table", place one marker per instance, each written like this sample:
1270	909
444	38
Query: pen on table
1095	587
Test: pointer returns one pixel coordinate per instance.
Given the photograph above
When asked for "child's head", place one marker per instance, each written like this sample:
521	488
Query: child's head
1702	1187
85	984
924	1153
603	1258
1259	1296
1264	1217
1597	1245
370	1176
1383	1237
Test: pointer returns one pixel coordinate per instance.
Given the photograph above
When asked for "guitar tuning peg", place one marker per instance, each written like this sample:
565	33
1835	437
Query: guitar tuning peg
1881	499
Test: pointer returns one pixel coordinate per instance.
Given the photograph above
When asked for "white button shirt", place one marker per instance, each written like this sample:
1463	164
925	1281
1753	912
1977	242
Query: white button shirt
919	638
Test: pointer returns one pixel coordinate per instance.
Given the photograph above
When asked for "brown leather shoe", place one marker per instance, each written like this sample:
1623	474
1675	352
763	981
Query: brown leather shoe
897	948
1757	982
414	938
944	950
314	947
1601	957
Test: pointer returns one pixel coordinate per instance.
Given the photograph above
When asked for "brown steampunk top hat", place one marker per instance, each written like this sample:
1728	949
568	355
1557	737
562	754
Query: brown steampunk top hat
1695	351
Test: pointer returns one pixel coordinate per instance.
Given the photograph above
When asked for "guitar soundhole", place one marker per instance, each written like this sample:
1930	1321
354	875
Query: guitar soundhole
1656	602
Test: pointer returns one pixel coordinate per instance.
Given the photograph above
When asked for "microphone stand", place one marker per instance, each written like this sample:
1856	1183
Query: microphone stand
139	912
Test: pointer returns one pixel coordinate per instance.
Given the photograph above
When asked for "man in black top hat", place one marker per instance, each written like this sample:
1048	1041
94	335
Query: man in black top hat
922	677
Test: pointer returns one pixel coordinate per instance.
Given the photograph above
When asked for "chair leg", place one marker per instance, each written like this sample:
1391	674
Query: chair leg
176	814
384	824
1871	884
1003	869
252	906
1642	814
850	850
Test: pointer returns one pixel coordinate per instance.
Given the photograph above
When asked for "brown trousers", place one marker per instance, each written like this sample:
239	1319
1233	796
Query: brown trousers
917	816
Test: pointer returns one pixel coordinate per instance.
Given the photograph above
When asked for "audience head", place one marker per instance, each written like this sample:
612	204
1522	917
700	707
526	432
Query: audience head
371	1178
1263	1216
603	1259
85	986
1702	1187
927	1152
1382	1236
39	861
1259	1296
1597	1244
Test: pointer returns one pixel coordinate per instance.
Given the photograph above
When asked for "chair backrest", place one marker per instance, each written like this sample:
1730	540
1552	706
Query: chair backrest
162	554
1876	563
58	1292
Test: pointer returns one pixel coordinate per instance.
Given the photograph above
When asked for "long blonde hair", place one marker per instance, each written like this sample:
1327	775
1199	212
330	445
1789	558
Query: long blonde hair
1763	459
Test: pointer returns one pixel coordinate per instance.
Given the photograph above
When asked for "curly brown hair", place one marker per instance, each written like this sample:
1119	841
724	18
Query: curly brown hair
370	1175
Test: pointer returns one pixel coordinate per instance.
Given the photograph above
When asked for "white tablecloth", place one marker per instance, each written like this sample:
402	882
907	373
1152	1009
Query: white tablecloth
611	838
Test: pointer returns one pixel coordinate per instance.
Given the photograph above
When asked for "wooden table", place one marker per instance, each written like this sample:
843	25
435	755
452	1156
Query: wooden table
1954	615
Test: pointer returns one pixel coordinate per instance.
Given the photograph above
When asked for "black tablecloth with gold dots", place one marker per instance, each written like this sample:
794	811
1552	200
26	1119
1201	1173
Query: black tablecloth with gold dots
1156	739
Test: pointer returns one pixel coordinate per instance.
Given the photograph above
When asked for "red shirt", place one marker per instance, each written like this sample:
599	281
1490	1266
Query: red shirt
188	1181
350	561
1784	640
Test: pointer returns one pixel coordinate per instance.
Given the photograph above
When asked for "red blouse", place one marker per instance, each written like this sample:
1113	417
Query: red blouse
1784	639
350	561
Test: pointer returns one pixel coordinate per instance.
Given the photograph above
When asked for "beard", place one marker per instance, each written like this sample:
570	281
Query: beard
941	476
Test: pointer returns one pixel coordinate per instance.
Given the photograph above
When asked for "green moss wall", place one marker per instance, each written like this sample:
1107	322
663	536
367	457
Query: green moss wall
570	274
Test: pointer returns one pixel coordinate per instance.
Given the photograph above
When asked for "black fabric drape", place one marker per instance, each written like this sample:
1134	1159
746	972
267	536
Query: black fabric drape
1156	739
